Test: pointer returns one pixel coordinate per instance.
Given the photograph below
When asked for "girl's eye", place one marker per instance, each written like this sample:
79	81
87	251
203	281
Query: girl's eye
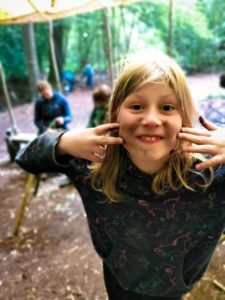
168	107
136	107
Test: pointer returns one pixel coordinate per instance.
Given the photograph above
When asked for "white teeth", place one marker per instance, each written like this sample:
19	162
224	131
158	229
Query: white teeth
150	138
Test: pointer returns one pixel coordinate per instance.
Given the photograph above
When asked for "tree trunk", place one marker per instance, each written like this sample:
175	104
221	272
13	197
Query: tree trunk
57	36
31	56
170	28
58	40
53	57
108	45
127	30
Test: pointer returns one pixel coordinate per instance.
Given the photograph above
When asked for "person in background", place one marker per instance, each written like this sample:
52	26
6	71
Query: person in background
52	109
101	96
154	194
88	72
69	79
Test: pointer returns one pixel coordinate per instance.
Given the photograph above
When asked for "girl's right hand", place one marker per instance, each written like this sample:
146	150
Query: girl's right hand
89	143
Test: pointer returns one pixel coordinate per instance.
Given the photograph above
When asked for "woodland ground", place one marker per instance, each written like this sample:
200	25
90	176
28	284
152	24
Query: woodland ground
53	258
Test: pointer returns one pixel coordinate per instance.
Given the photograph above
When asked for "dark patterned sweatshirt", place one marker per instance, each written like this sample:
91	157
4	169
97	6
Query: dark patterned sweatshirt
154	245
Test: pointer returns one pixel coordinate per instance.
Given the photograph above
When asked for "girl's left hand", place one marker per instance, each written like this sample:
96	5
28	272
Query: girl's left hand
210	141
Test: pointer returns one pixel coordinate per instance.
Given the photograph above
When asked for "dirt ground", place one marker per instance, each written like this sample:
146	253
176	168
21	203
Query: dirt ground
53	258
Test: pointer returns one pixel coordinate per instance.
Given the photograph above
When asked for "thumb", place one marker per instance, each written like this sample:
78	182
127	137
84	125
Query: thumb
207	124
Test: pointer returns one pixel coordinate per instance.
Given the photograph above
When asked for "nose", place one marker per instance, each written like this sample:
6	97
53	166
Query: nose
151	118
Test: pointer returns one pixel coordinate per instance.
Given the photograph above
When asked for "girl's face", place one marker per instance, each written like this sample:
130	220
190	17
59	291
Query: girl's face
149	123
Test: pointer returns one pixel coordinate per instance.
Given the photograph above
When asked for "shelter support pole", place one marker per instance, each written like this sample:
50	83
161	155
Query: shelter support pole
6	94
53	56
22	209
108	44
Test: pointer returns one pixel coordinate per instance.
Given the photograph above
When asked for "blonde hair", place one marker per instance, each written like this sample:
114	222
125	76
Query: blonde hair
157	68
43	85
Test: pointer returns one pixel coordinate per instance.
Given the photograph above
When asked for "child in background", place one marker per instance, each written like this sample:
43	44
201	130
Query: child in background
101	97
154	197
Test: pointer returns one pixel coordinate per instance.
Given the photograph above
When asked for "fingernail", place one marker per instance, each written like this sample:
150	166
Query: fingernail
202	120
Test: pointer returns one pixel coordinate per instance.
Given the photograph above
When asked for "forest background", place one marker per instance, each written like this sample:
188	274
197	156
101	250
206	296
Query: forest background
53	257
193	32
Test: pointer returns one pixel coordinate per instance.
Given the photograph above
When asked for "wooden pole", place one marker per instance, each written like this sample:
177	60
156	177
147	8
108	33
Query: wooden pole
22	209
108	44
31	57
8	102
54	61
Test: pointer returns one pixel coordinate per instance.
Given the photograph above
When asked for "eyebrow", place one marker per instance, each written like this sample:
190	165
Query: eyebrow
168	96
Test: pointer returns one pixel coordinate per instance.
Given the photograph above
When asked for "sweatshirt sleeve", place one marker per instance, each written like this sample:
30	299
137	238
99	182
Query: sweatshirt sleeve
39	155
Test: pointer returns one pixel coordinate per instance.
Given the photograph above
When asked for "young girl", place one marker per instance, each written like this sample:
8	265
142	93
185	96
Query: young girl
154	203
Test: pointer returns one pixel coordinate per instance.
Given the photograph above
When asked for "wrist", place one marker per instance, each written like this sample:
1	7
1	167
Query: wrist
60	147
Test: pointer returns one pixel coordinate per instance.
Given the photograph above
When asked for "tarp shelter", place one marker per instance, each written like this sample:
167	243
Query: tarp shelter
25	11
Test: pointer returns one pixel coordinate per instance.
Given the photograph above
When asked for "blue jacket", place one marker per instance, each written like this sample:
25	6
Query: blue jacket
47	110
154	245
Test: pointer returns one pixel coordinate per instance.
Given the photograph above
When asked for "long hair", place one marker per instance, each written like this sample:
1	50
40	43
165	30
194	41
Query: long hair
139	71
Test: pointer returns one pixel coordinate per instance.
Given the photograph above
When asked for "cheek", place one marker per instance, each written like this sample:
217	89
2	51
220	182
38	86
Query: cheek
179	125
175	128
127	124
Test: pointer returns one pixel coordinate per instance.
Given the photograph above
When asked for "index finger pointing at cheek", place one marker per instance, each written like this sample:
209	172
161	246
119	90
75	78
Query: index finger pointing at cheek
105	128
109	140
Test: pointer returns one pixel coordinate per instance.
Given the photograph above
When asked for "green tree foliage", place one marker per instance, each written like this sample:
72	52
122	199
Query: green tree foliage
86	41
42	43
192	39
214	12
12	54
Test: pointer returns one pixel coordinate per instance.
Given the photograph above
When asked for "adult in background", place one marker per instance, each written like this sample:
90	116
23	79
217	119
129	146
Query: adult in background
52	109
